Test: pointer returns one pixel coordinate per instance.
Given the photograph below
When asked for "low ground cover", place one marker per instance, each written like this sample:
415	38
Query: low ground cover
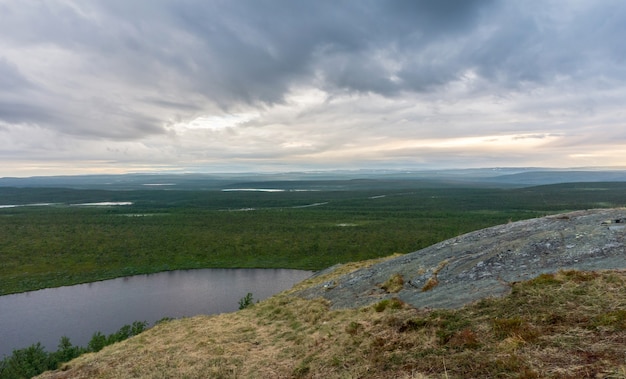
570	324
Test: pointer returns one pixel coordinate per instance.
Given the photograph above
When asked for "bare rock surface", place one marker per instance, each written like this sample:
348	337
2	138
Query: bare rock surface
483	263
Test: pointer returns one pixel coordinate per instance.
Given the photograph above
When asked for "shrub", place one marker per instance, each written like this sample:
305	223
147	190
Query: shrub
393	303
164	319
126	331
98	342
381	305
138	327
246	301
66	351
33	360
26	363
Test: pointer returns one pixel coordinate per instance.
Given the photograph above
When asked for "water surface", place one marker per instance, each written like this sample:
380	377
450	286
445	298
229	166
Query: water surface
79	311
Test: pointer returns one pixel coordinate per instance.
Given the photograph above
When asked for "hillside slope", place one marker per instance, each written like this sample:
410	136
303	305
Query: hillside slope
559	324
484	263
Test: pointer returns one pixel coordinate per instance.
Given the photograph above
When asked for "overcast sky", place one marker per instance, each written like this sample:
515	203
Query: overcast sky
111	86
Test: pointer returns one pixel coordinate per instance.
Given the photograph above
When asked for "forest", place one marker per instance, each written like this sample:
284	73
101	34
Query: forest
49	237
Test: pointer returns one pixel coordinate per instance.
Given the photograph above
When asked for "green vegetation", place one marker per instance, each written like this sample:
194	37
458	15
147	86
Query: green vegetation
246	301
47	246
392	303
570	324
564	325
33	360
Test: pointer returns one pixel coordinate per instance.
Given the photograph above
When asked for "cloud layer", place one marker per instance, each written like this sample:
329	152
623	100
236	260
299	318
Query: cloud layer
114	86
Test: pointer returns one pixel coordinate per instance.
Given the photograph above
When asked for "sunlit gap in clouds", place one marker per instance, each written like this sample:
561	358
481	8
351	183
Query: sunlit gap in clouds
215	122
289	124
296	102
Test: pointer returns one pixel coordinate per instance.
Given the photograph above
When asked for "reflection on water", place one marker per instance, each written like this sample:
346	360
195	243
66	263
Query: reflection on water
252	190
98	204
103	204
25	205
79	311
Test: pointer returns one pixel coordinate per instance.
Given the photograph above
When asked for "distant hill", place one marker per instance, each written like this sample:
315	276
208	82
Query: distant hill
554	177
492	177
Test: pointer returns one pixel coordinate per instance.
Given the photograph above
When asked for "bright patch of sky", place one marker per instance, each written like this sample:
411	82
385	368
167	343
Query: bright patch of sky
216	122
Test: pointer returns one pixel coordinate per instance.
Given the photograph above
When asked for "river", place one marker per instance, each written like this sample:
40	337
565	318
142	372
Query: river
81	310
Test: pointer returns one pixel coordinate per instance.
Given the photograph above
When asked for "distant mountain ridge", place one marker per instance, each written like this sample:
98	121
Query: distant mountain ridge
555	177
506	177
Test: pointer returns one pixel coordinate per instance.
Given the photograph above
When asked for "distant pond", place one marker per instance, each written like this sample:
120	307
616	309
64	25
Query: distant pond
81	310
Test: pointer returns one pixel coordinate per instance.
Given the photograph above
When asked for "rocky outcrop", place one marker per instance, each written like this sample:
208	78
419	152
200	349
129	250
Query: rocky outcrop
485	262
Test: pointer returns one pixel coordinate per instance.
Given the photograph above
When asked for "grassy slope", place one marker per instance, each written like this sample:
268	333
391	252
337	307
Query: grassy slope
567	325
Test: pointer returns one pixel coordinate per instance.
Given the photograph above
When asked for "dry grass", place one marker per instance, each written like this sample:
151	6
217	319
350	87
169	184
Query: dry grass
433	281
394	284
567	325
338	272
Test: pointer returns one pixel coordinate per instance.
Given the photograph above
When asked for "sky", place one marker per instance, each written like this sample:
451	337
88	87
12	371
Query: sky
117	86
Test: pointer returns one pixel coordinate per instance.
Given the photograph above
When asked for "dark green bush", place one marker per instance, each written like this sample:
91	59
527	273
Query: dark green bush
33	360
246	301
26	363
98	342
66	351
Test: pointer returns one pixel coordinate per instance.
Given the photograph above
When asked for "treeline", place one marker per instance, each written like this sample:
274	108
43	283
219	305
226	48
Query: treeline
33	360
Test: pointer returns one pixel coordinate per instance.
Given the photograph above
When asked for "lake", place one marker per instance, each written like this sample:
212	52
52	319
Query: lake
81	310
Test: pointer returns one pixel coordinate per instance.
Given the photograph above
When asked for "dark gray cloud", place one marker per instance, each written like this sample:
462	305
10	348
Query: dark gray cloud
257	50
11	79
541	45
16	113
229	52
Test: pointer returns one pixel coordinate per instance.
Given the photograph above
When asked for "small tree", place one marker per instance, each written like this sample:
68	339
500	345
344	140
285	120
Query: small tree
26	363
98	342
138	327
66	351
246	301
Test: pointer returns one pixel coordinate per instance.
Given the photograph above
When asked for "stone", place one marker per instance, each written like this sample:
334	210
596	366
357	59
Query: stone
484	263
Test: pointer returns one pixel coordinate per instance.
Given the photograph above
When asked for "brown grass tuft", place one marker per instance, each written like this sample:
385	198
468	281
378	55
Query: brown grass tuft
431	283
394	284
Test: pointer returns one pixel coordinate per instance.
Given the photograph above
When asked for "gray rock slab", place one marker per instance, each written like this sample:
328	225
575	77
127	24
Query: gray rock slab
483	263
